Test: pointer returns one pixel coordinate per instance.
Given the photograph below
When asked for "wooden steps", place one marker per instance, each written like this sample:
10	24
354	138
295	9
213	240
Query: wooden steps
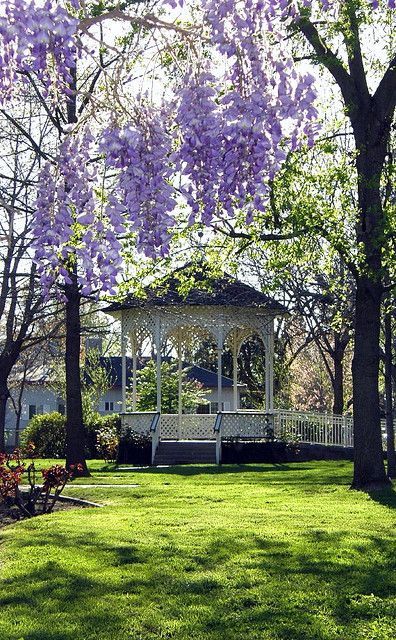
185	452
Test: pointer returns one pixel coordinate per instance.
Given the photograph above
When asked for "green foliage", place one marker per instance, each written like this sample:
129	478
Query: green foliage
107	432
95	382
48	434
192	391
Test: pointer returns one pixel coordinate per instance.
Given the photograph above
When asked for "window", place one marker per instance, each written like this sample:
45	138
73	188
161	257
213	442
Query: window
109	406
61	408
35	409
214	407
203	408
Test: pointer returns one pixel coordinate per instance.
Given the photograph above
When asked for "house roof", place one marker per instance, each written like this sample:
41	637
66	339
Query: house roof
113	366
206	290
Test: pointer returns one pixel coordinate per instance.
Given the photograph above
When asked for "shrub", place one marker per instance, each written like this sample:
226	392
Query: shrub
134	448
35	498
48	434
108	437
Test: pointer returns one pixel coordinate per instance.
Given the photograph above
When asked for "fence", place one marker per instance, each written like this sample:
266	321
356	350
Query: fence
303	426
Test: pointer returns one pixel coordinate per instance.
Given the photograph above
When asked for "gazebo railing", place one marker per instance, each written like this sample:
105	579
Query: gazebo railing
187	426
155	430
302	426
138	421
314	428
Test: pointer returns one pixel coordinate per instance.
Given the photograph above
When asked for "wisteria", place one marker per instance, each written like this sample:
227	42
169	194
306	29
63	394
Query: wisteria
74	230
199	152
141	151
40	39
236	129
216	145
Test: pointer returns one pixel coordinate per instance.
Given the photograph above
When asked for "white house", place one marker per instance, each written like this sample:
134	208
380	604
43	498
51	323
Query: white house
38	397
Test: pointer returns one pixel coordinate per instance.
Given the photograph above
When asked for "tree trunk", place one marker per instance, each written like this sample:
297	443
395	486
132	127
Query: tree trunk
390	432
369	470
338	381
371	137
4	394
75	433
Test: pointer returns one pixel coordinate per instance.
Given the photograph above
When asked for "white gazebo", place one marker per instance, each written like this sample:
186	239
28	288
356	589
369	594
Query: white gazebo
224	311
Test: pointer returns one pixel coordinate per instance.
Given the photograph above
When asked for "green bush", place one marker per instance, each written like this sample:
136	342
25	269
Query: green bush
108	438
47	432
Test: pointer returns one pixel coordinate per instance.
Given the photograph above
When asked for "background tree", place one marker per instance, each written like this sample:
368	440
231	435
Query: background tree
25	320
193	393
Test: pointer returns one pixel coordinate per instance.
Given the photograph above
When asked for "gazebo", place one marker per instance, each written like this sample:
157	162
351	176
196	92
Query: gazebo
221	310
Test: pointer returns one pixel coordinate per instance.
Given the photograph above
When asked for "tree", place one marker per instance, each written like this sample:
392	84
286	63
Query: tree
315	286
371	114
192	391
25	319
217	145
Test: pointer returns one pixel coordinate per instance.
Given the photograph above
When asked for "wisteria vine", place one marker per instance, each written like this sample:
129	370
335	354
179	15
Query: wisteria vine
215	146
73	225
37	38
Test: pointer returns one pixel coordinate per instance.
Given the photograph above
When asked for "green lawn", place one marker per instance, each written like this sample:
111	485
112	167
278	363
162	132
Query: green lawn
263	552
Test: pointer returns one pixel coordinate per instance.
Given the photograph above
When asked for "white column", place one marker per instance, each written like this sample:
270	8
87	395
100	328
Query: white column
235	371
269	368
219	368
123	364
133	339
180	391
158	357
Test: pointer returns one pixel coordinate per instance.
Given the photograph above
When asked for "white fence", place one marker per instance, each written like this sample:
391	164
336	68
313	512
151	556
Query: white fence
302	426
314	428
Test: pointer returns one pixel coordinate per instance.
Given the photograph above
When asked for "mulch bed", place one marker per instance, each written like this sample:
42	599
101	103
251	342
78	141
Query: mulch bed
11	516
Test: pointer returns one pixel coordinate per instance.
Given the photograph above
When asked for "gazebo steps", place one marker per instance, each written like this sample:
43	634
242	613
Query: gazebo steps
185	452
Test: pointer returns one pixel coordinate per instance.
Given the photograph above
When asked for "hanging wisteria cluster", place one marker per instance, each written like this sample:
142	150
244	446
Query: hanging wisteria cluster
38	38
73	227
215	146
141	151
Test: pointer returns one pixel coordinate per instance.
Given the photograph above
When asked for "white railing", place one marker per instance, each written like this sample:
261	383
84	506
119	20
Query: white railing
314	428
188	426
303	426
139	421
155	431
246	424
171	426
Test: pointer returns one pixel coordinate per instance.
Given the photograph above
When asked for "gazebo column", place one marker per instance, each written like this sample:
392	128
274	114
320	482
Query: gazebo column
123	364
134	346
220	342
157	339
269	367
235	371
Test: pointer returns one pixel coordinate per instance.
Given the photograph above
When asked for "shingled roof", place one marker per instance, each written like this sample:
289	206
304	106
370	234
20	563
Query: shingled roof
206	291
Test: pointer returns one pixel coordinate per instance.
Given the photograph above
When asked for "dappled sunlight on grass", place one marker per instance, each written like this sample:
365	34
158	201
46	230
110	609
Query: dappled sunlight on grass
269	552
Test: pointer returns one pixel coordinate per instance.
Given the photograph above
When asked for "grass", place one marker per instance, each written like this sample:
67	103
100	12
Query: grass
269	552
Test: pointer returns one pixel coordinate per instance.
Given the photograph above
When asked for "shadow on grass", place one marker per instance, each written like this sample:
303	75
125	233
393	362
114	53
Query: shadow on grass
314	473
386	497
244	586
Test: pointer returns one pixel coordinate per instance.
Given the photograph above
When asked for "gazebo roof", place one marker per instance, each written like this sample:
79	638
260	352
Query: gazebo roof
207	290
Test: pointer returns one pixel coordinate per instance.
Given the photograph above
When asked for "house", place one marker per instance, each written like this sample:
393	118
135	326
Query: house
37	397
